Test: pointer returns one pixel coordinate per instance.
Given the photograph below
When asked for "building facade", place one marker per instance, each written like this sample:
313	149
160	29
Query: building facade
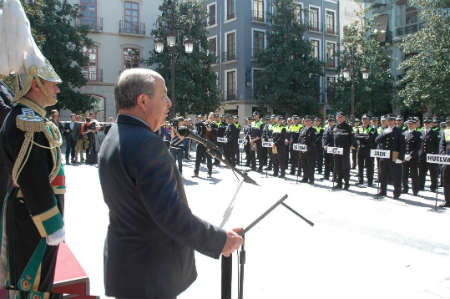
237	29
121	31
395	19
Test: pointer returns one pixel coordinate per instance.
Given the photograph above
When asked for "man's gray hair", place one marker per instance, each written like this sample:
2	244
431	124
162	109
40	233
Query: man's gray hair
131	84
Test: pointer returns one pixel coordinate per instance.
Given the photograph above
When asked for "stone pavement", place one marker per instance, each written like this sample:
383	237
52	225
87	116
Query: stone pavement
359	247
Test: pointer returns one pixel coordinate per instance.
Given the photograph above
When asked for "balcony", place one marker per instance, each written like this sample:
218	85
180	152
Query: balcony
257	16
228	56
408	29
94	25
314	27
131	28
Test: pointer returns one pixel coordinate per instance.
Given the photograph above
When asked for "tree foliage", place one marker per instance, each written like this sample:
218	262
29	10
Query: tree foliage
195	83
361	52
426	83
62	42
289	81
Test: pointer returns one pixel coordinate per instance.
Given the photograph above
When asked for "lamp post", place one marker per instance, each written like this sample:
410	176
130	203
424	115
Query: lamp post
349	74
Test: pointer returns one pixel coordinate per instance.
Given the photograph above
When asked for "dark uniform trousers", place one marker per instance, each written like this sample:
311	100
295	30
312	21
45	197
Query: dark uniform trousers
410	170
319	158
260	154
308	160
201	152
279	160
252	156
445	176
424	167
354	158
365	161
342	167
395	171
294	160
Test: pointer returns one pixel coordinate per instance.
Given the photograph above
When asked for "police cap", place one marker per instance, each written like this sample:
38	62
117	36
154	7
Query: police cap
399	117
357	120
307	117
340	113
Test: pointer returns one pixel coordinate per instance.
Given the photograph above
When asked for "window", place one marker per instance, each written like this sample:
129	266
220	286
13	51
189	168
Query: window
90	71
231	46
88	11
230	9
314	18
212	46
131	17
298	13
258	42
231	85
331	47
131	58
257	86
329	18
258	10
315	48
212	14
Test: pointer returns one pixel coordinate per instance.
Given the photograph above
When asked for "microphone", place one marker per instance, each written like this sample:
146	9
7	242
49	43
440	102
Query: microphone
185	132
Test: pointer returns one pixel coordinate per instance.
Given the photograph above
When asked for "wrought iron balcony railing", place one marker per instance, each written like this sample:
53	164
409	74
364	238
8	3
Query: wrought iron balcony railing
131	28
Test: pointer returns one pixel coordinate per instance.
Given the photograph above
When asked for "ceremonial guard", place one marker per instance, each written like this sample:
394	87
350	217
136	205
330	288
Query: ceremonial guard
319	148
391	139
266	136
399	123
343	138
221	127
327	140
255	142
307	138
32	221
365	141
279	148
293	138
410	165
356	125
429	145
444	149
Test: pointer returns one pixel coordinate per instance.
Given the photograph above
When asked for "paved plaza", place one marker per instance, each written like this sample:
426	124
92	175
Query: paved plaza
359	247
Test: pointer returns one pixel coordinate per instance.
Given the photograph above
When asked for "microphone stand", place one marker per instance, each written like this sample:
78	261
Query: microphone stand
242	253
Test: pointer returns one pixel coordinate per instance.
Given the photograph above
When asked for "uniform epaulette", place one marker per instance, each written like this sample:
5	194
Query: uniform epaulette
29	121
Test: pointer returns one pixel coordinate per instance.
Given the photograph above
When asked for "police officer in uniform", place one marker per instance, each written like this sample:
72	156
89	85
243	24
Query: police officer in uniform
343	138
231	134
356	125
255	141
365	141
444	149
319	148
279	148
236	145
308	137
328	140
429	145
293	138
391	139
247	148
410	166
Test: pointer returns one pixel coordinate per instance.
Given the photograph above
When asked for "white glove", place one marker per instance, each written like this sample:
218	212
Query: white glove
408	157
56	238
398	161
387	131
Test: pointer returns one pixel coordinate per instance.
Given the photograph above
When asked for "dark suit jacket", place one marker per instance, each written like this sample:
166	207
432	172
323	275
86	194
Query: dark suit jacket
152	235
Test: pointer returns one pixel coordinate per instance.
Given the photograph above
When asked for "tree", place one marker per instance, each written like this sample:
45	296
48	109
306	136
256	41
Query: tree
289	81
425	85
362	51
195	88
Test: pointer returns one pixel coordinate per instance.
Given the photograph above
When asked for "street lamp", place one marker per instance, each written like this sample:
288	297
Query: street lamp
171	40
349	76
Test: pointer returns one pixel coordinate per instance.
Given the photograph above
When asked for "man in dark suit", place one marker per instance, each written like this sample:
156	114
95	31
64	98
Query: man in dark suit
72	131
152	235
